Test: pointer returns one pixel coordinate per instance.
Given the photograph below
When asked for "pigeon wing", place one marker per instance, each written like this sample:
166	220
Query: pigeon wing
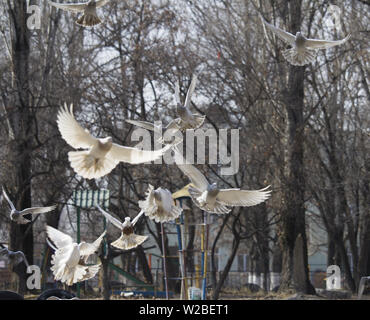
191	90
72	132
142	124
283	35
134	155
7	199
73	7
59	238
324	44
101	3
237	197
173	126
148	205
136	219
37	210
87	249
195	176
51	245
110	218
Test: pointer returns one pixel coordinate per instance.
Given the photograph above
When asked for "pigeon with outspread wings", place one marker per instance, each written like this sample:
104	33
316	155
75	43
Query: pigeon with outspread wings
303	49
102	155
159	205
14	257
70	258
89	17
210	198
128	239
186	119
18	216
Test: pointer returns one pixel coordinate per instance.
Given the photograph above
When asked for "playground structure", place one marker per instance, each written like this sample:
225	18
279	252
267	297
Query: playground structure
181	228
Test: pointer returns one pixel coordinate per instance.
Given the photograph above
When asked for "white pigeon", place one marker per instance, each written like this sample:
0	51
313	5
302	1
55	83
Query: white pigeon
128	239
159	206
89	16
102	155
14	257
212	199
186	119
18	216
70	258
303	49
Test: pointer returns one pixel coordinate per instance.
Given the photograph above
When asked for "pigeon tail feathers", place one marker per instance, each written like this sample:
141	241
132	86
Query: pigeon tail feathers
127	242
299	59
88	20
90	167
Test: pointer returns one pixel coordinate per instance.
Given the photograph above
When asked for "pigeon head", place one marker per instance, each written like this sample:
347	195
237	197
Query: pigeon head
299	39
106	143
212	187
213	190
157	195
181	110
106	140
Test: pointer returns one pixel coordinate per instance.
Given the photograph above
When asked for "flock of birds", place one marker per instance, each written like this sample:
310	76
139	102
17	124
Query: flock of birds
302	50
100	156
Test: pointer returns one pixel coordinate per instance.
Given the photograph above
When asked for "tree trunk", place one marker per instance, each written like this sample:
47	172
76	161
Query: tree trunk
293	215
213	252
225	272
364	256
144	263
21	236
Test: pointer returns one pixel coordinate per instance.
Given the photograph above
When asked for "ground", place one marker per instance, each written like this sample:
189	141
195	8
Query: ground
243	295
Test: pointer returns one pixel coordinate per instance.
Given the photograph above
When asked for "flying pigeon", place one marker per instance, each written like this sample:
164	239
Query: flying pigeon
128	239
102	155
18	216
303	49
70	258
186	120
14	257
159	205
212	199
89	17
